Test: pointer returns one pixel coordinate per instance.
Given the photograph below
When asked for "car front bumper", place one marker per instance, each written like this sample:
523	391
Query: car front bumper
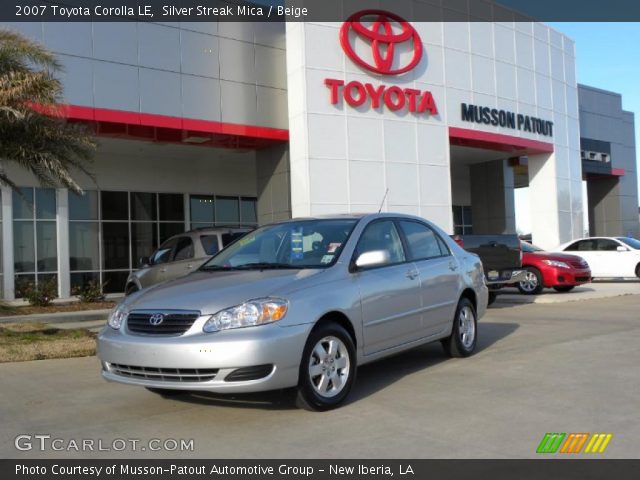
187	362
555	277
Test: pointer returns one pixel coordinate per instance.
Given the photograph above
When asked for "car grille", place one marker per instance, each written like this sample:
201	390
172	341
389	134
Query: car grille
173	323
580	264
583	279
164	374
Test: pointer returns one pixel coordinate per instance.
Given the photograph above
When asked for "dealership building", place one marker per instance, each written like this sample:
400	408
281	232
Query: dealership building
241	124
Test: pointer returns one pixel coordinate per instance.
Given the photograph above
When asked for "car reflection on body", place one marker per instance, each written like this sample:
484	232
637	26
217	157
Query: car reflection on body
300	304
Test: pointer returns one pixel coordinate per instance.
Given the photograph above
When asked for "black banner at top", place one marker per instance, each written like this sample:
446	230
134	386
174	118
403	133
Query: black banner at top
316	10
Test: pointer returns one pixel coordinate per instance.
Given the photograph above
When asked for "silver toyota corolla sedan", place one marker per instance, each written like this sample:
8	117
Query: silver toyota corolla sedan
300	304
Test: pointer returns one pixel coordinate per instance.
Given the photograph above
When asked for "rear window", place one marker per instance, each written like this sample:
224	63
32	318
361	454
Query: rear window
632	242
210	244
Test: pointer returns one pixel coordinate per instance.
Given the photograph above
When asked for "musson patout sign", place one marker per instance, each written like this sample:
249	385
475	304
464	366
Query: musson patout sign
383	40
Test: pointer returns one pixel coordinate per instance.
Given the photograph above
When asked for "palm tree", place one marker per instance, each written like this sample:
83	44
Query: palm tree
33	131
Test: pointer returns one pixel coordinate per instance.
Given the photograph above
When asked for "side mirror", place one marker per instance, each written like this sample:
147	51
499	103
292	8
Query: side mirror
144	261
622	249
373	258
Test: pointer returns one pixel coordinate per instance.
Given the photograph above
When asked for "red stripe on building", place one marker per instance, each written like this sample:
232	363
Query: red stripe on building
163	128
496	141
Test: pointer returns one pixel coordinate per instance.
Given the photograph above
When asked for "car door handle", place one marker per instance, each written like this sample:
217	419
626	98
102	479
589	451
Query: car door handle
412	274
189	267
163	270
452	266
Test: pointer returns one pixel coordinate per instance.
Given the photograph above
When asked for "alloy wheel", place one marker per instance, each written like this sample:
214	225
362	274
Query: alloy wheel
530	282
466	326
329	366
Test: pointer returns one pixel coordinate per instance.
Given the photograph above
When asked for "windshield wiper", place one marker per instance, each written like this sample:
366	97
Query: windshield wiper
246	266
263	266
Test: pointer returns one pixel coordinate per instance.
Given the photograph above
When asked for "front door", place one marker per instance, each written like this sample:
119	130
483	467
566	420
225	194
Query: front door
389	293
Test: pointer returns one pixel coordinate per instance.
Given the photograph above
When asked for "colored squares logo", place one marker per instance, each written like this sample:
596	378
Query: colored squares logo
574	443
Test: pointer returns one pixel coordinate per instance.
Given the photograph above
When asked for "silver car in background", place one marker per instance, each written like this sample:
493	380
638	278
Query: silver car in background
301	304
180	255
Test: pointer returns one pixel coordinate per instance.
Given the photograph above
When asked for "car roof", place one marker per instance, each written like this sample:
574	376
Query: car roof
351	216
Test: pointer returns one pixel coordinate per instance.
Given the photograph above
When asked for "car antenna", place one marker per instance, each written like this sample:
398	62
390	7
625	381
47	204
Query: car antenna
383	199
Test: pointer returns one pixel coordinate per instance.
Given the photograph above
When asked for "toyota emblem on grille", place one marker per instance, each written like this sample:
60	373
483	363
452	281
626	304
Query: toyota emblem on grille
156	319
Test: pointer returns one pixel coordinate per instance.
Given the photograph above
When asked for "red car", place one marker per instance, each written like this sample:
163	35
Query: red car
551	270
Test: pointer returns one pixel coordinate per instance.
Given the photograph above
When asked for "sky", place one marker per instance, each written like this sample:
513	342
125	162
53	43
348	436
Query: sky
607	57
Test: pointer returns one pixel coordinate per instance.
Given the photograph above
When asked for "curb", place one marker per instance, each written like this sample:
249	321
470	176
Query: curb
59	317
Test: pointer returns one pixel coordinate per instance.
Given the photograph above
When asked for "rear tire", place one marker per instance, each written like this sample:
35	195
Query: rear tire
638	270
533	283
166	392
464	337
327	369
564	288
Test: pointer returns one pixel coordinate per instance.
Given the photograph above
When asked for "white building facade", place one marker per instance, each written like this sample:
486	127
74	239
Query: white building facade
229	124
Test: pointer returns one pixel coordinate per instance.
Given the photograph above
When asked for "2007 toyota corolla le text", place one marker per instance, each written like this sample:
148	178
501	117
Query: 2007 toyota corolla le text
299	304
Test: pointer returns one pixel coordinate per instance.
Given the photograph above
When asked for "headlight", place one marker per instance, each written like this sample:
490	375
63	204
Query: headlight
249	314
117	317
555	263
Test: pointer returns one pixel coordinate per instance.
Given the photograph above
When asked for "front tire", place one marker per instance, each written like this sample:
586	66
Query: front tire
533	282
638	270
327	369
564	288
463	339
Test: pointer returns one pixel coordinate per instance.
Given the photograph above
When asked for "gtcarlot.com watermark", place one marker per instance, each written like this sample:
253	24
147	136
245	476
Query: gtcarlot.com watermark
49	443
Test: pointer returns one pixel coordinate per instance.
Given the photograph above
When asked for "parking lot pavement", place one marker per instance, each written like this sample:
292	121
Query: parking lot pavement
567	367
589	291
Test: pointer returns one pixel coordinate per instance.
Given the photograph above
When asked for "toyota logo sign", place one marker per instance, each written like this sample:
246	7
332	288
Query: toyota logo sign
383	40
156	319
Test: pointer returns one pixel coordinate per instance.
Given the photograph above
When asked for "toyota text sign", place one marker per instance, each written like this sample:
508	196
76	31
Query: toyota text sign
384	33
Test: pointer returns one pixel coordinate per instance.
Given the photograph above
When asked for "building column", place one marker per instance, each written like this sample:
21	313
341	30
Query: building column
555	201
492	198
8	273
274	184
62	229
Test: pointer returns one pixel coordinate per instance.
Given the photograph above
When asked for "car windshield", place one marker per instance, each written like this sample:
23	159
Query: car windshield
632	242
528	248
298	244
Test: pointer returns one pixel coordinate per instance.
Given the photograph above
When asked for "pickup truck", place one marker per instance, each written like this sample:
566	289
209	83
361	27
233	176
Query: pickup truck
501	257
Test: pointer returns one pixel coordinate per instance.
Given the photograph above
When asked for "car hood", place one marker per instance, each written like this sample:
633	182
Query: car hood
558	257
210	292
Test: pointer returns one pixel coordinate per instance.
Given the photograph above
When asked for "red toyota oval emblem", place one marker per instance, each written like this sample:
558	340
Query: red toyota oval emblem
383	40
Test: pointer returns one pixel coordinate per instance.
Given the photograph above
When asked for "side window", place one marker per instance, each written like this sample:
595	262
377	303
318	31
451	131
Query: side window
210	244
606	245
382	235
163	254
582	245
422	241
184	249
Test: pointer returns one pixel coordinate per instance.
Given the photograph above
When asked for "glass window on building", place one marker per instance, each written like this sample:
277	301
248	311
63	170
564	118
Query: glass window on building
34	237
462	220
201	211
227	211
110	231
223	211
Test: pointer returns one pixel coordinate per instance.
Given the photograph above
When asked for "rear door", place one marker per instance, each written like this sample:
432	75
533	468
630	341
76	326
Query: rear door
390	293
439	286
